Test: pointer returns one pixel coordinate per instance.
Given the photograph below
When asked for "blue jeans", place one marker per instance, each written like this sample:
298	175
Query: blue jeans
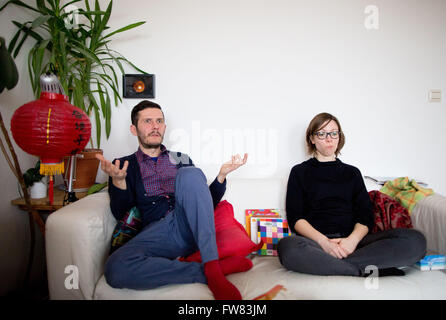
149	260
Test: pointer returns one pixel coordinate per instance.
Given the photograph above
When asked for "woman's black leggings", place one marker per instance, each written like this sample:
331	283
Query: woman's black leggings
386	249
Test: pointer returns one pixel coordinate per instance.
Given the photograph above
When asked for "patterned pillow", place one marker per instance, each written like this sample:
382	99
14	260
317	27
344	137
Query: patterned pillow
126	229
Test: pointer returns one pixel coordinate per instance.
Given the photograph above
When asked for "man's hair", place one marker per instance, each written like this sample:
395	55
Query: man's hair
318	123
141	106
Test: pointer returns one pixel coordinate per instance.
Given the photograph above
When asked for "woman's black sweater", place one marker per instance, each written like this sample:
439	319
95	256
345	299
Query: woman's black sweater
331	196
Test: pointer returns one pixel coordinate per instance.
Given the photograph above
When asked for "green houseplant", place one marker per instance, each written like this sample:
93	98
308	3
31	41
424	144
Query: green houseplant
36	182
32	175
73	42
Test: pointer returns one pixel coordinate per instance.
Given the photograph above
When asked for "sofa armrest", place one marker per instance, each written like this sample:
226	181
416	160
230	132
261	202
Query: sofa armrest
78	237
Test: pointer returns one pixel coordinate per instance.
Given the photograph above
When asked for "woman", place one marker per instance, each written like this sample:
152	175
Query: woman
329	209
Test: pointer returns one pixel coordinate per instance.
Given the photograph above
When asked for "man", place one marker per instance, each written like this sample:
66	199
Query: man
177	210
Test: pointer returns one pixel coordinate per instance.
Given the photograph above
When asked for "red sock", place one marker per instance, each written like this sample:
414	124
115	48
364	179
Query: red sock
221	288
235	264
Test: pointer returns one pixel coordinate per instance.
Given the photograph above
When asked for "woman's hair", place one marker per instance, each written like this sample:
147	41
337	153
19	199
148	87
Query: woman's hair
318	123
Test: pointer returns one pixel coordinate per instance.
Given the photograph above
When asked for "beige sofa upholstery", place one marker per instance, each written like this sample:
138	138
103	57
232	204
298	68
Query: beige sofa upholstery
78	240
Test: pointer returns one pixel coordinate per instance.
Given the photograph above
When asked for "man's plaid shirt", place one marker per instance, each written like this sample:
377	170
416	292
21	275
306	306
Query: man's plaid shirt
158	175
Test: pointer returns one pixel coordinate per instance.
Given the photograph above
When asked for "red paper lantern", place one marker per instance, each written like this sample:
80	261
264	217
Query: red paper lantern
51	128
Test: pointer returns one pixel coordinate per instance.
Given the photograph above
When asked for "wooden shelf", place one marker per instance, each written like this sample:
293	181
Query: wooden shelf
44	203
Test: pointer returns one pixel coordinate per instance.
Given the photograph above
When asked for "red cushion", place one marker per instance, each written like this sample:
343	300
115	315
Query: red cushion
231	236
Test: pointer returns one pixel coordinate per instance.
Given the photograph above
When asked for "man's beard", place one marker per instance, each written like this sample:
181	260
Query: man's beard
150	145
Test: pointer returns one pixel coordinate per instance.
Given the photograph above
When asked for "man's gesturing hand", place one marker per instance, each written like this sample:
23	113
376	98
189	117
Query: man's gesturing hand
113	170
231	165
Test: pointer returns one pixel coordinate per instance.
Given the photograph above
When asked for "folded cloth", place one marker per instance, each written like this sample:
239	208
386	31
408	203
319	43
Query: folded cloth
405	191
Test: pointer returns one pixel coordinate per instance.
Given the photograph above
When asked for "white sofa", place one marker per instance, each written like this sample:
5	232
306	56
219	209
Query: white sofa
78	240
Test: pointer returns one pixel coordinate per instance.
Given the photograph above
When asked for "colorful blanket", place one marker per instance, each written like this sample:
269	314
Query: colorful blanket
405	191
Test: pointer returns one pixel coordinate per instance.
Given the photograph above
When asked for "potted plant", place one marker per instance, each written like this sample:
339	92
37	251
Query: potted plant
74	43
35	182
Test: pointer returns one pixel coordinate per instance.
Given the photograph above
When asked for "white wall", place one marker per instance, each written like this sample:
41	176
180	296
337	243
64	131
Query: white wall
14	224
267	67
258	65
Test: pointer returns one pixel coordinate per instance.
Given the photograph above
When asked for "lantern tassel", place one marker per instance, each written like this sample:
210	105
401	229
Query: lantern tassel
50	191
50	169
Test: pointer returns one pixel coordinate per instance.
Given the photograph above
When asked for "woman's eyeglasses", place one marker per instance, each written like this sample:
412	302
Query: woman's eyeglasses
323	135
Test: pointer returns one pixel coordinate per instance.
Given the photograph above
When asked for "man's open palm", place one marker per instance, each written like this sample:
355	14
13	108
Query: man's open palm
113	170
233	164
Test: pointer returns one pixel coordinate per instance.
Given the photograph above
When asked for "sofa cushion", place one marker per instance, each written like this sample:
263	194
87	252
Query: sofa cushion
232	238
267	272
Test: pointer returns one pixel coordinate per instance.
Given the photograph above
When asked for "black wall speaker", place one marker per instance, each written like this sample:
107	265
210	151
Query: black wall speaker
139	85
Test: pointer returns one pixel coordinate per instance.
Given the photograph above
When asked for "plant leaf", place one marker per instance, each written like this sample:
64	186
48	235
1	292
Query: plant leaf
130	26
27	32
98	127
67	4
19	46
130	63
107	117
14	40
86	52
19	3
40	20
